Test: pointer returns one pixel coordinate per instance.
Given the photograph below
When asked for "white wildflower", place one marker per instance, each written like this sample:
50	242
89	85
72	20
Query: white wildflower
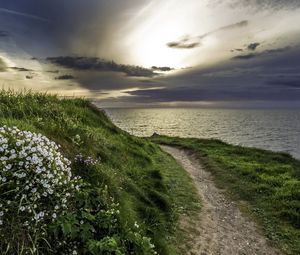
34	165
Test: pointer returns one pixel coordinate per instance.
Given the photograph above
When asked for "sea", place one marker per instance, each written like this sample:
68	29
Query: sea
276	130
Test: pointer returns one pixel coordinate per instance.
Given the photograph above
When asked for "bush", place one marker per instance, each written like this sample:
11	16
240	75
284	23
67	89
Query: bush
35	185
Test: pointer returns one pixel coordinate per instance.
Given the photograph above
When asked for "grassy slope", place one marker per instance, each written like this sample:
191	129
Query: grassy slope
269	182
150	186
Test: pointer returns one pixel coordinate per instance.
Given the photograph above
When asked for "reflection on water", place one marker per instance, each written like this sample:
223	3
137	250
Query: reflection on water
277	130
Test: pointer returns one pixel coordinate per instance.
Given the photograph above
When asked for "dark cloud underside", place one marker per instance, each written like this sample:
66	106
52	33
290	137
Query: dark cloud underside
101	65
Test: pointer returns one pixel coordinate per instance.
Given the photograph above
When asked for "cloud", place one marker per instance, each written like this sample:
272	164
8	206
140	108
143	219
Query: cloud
188	42
249	47
237	49
68	26
236	25
265	53
22	14
101	65
257	4
135	32
185	43
4	34
240	24
278	50
65	77
162	68
2	66
292	83
193	94
21	69
246	56
267	79
253	46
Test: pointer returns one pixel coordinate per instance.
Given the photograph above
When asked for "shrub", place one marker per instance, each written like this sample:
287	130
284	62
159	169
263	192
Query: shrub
35	185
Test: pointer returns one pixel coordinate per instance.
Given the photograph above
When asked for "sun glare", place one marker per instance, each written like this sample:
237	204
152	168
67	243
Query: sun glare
147	35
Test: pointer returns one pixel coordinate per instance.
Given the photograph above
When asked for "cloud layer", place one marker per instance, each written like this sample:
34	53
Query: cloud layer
101	65
158	51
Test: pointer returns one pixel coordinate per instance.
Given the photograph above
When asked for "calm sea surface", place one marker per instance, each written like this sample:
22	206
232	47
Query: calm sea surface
277	130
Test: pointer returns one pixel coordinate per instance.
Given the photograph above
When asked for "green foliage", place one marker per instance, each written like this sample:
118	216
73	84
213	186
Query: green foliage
268	181
128	181
93	227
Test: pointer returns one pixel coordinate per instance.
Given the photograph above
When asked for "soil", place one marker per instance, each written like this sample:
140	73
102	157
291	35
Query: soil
220	228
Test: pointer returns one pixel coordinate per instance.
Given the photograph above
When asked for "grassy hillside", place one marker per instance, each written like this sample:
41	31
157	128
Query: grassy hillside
132	191
268	182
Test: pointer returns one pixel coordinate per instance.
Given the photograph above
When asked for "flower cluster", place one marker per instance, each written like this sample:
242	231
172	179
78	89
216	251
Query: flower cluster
88	161
35	178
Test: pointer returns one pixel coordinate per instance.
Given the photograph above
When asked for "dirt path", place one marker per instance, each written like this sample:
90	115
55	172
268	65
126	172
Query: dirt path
222	229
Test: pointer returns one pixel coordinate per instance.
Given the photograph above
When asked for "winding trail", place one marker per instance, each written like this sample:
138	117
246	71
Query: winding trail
221	228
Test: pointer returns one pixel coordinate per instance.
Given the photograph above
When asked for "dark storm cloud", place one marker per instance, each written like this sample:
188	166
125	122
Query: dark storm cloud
101	65
188	42
87	22
275	78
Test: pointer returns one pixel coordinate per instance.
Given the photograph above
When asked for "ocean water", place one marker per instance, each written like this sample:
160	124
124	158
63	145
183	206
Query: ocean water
277	130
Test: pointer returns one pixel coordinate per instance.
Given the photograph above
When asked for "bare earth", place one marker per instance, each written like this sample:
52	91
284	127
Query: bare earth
221	228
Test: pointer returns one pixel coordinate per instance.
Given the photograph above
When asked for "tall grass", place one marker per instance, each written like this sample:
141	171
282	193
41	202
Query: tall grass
152	190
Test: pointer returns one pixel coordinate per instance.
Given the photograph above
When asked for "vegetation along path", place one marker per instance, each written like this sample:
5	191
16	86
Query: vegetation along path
222	229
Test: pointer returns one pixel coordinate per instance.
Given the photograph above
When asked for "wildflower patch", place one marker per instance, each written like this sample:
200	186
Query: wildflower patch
35	179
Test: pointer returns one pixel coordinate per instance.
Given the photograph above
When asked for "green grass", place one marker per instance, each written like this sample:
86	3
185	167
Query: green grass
151	188
268	182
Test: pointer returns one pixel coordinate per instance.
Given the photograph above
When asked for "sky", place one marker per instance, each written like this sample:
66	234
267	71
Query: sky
153	53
